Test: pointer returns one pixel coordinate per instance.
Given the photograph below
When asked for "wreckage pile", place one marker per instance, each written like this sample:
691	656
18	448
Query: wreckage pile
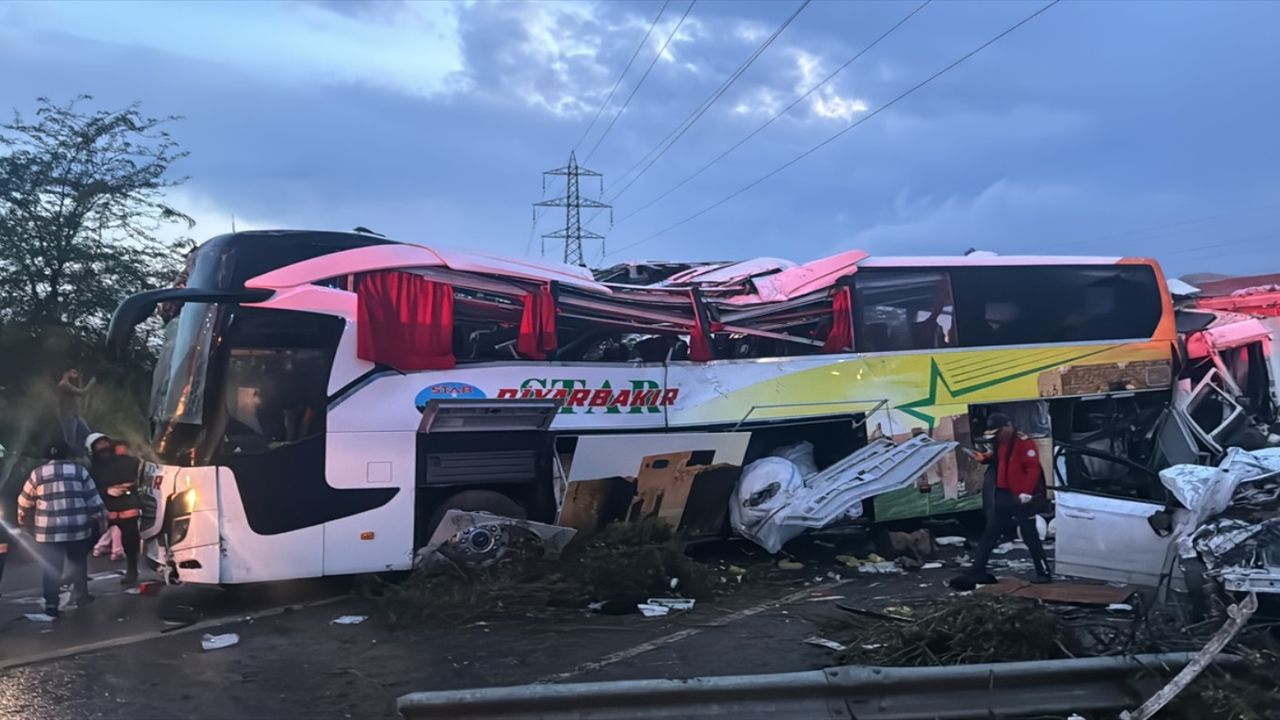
619	567
991	628
956	631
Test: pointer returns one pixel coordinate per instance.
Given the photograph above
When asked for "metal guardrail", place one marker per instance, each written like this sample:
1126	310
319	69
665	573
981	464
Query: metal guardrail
1021	689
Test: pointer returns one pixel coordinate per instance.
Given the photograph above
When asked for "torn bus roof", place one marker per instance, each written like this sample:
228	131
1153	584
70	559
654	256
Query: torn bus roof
503	308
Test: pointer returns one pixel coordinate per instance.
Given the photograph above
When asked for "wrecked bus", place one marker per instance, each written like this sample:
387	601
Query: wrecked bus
321	399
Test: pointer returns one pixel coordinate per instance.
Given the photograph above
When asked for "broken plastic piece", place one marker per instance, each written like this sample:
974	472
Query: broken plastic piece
823	642
931	566
479	539
653	610
880	568
680	604
349	620
218	642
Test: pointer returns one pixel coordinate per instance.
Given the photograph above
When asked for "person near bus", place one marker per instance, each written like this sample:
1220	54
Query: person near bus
1019	494
69	389
60	509
117	480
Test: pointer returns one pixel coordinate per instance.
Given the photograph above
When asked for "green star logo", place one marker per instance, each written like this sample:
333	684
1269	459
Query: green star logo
941	392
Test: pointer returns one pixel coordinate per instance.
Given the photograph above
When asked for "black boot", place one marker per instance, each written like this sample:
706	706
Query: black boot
1042	575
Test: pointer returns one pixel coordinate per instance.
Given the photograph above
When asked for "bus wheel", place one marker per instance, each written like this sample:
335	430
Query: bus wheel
488	501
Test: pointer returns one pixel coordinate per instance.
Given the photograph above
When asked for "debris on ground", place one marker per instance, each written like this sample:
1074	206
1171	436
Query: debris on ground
616	569
980	628
219	642
480	539
677	604
950	541
349	620
1081	593
39	617
1239	614
649	610
823	642
963	630
785	564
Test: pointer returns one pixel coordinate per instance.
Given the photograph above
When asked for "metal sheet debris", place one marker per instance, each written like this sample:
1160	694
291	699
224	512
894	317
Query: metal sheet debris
774	502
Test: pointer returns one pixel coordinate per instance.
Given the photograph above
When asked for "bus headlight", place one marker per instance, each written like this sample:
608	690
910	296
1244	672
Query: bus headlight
185	502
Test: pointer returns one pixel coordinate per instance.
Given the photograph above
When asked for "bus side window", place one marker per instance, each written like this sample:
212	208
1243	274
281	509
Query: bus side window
1023	305
903	310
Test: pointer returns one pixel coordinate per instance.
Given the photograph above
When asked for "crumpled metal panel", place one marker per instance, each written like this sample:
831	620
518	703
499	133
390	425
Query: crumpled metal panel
839	490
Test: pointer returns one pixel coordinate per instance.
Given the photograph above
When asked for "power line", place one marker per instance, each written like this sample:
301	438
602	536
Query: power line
842	131
640	82
702	109
777	115
623	74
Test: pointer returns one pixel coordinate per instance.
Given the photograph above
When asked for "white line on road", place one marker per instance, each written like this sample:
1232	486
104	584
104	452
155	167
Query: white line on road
59	653
686	633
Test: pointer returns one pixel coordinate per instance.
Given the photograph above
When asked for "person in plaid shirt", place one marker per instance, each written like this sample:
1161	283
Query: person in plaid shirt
60	508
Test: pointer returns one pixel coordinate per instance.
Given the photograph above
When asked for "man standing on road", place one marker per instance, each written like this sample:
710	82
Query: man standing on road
1019	495
60	508
117	479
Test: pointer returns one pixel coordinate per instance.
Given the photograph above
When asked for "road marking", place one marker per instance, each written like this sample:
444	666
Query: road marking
60	653
679	635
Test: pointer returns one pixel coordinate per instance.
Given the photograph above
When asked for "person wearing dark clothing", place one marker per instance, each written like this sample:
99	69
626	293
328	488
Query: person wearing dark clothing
1019	494
60	509
117	479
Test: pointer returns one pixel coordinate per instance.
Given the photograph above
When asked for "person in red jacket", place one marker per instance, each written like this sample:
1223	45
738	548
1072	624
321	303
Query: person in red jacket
1019	495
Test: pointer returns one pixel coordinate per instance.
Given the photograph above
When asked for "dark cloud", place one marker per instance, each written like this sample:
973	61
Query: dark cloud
1097	128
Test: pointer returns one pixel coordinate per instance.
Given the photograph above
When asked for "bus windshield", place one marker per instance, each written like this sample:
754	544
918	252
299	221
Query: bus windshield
177	387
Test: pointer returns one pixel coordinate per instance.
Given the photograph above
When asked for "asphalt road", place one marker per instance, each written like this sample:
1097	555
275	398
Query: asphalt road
118	615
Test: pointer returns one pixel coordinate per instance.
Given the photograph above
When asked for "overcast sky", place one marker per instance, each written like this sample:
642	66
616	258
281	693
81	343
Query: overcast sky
1141	128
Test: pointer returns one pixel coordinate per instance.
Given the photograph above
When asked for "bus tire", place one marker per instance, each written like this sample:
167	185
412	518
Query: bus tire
489	501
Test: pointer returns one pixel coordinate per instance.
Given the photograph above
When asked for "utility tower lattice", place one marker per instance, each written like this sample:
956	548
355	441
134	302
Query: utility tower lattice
573	233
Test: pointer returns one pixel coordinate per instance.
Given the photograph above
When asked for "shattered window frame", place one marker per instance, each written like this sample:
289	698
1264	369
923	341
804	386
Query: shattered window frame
890	291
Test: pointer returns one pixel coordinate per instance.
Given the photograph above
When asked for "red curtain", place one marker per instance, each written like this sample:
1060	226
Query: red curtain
538	325
840	339
699	336
404	321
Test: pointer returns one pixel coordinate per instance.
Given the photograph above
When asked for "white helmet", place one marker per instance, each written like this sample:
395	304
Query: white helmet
93	438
